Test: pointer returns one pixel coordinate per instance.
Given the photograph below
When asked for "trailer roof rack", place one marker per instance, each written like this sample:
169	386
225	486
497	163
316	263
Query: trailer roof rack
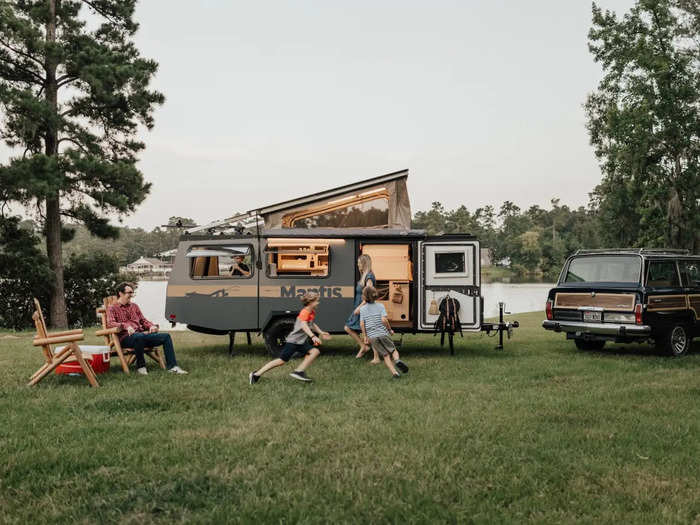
654	251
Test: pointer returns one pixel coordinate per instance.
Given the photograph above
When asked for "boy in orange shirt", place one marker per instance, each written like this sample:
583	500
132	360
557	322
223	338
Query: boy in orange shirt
298	341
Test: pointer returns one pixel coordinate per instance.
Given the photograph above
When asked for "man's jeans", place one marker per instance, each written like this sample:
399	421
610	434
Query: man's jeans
141	340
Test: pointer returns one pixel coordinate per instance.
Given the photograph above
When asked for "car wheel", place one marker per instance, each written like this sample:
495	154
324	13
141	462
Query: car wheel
275	335
675	342
582	344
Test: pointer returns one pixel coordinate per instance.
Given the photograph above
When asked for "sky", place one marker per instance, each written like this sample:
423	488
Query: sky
266	101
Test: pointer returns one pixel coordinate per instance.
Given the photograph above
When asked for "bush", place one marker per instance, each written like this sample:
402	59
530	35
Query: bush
88	279
24	274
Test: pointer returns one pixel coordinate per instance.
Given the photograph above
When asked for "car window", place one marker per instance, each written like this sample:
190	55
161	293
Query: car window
662	274
691	273
618	269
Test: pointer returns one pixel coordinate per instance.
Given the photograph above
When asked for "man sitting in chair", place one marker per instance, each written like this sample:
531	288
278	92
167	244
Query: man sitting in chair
137	332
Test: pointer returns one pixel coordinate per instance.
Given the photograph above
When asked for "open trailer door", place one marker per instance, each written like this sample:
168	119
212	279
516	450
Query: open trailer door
449	266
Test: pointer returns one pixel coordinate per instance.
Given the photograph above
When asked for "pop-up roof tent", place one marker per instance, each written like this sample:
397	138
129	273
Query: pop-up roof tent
379	202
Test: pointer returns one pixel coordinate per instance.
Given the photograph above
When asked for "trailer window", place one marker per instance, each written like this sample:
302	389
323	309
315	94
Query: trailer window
221	262
364	214
450	263
291	257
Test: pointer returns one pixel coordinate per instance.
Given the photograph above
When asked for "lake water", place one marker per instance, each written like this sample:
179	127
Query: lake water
525	297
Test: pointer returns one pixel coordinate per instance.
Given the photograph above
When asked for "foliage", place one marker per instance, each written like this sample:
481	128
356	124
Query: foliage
89	279
73	97
644	122
24	272
534	241
131	244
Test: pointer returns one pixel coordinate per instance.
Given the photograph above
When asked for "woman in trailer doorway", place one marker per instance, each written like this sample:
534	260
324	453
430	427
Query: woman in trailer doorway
352	325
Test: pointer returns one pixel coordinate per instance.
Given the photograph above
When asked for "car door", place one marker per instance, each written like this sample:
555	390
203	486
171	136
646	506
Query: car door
690	272
666	297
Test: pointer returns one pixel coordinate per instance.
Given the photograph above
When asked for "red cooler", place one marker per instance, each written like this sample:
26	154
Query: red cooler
97	356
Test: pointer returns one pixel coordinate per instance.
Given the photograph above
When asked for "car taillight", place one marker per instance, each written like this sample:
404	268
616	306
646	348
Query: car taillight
548	310
638	313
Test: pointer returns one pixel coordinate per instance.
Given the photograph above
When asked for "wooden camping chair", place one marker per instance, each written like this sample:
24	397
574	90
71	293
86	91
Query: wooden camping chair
70	351
126	355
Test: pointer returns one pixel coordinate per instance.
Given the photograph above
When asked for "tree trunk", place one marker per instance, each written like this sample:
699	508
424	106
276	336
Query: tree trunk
59	317
57	308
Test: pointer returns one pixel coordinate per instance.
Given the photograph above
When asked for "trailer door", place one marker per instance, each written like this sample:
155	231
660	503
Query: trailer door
449	267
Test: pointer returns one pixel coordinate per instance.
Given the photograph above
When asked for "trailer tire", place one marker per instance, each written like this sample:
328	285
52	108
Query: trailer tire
275	334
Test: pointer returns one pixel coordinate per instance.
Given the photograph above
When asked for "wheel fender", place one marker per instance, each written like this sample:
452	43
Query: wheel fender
278	314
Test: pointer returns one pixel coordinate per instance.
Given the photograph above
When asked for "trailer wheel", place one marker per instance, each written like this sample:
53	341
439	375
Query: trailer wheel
276	333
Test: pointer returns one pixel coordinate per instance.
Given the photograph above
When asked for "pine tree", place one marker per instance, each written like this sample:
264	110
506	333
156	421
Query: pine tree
74	91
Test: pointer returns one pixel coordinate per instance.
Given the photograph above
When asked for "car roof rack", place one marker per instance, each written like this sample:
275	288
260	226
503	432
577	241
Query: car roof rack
653	251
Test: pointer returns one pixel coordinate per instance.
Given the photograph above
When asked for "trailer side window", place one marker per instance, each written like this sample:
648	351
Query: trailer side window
221	262
294	258
359	213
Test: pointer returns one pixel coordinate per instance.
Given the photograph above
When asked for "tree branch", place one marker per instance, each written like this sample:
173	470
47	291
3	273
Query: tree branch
39	81
75	142
22	53
101	12
64	80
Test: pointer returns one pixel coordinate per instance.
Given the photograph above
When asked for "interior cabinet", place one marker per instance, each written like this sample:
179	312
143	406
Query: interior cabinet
286	257
390	261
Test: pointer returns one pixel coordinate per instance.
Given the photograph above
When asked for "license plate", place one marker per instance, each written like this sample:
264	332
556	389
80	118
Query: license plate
592	316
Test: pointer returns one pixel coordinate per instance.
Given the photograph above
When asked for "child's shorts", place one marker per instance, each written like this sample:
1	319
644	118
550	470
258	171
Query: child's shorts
290	349
383	345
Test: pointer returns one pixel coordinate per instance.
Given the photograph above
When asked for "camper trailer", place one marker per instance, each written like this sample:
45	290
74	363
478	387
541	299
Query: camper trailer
414	273
246	273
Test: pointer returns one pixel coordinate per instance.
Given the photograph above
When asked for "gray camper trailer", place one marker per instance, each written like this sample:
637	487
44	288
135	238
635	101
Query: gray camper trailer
414	272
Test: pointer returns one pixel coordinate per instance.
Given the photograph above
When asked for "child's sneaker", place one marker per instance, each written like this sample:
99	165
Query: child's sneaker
401	366
301	376
253	378
396	376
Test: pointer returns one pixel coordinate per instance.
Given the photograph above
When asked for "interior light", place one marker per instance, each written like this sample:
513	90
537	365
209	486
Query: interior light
370	192
351	197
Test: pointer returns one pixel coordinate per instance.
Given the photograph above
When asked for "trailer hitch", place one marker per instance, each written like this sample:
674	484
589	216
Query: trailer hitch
501	326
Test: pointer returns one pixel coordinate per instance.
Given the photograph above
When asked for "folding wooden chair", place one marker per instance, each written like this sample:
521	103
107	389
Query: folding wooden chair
70	351
126	355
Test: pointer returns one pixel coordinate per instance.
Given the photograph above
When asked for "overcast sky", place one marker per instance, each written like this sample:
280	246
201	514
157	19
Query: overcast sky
480	100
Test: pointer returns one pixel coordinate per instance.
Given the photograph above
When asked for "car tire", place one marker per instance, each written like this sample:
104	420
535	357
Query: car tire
675	342
582	344
276	333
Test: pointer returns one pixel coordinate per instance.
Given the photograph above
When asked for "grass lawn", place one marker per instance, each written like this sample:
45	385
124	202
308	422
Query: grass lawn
538	433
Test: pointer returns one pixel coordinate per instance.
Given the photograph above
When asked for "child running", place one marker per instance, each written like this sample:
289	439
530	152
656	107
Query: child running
377	332
298	341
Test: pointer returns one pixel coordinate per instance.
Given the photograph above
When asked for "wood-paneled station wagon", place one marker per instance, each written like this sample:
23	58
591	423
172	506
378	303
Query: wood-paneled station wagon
627	296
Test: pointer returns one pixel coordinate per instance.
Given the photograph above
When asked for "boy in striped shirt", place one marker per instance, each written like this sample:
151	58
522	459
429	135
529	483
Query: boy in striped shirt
377	332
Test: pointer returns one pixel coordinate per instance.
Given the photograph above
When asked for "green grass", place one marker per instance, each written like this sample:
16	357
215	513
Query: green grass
537	433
